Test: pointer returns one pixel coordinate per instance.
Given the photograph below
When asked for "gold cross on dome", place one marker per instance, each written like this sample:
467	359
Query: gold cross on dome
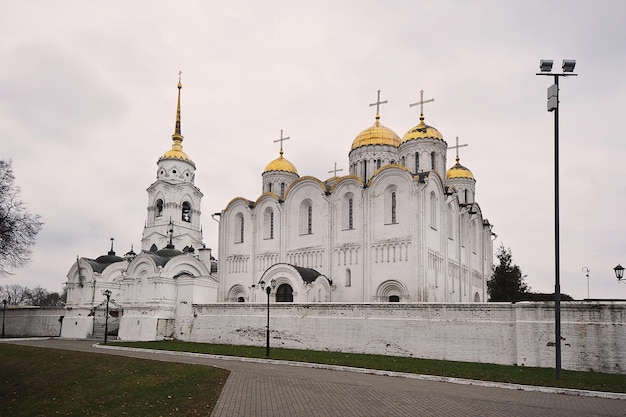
334	171
378	103
422	102
457	148
281	141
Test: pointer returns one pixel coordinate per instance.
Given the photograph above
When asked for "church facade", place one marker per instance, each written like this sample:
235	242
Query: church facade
398	228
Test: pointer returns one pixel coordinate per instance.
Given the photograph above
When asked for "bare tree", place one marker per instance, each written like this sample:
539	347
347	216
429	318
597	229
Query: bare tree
18	227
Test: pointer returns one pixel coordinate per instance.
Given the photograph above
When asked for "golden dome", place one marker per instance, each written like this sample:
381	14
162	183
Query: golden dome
459	171
281	164
176	153
376	135
422	131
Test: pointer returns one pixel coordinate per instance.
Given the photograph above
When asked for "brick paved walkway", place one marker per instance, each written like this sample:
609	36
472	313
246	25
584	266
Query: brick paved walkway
259	388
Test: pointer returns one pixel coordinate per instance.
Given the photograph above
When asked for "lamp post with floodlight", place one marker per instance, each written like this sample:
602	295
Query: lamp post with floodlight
268	290
553	105
587	271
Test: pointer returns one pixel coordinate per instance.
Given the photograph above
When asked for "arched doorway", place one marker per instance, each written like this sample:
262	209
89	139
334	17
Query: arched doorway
284	294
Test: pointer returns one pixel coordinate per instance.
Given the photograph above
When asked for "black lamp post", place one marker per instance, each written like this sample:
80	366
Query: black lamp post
4	310
268	290
107	294
619	273
553	105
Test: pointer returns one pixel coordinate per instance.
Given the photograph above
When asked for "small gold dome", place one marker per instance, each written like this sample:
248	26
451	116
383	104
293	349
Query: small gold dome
422	131
376	135
177	151
459	171
281	164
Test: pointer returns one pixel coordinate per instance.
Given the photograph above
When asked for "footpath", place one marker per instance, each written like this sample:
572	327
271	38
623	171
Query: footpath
258	387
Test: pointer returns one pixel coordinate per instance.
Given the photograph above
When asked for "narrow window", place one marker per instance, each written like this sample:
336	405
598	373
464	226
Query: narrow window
432	160
393	207
310	220
378	164
433	210
350	214
365	171
417	162
239	228
282	189
271	225
186	215
348	278
159	208
269	187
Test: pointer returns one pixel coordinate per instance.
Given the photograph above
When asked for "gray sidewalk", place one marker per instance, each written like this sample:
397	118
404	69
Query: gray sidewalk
273	388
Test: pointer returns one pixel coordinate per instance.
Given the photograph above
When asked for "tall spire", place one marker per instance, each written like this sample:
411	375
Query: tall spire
177	136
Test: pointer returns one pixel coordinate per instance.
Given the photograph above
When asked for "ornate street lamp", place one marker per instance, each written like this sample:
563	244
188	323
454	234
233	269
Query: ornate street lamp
107	294
619	273
553	105
268	290
4	310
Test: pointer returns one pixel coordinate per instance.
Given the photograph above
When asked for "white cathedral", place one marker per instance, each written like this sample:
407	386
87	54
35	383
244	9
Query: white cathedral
398	228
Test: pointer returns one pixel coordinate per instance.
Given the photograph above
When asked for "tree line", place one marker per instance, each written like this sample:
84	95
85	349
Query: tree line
18	295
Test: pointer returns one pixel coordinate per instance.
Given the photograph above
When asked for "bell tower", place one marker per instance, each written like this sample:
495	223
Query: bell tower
173	199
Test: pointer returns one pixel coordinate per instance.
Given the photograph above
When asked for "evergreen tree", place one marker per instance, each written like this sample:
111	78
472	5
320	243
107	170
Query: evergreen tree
507	282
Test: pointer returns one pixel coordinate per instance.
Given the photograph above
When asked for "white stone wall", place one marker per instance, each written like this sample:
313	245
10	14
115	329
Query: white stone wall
33	321
593	334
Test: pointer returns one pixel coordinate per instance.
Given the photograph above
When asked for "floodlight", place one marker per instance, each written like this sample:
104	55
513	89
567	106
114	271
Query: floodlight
568	65
545	65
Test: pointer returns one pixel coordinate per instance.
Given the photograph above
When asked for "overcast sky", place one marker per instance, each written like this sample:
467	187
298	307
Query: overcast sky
88	100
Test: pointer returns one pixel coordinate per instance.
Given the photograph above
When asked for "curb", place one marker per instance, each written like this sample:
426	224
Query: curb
461	381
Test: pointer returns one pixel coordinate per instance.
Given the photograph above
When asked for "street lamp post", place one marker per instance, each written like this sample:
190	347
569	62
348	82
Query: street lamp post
268	290
587	271
553	105
619	273
107	294
4	310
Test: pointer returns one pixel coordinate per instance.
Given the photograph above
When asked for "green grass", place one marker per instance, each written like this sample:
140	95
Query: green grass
47	382
594	381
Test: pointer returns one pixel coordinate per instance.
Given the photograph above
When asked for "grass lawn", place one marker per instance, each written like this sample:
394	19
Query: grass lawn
594	381
48	382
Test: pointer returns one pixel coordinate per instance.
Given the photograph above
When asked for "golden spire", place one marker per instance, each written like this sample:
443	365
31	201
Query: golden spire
377	104
177	136
177	148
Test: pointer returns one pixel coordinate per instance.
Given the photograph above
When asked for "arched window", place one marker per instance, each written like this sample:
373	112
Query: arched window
284	294
402	160
364	171
378	164
186	215
476	298
350	214
269	187
433	210
348	278
282	189
268	225
432	160
450	225
306	217
239	228
417	162
391	205
159	207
